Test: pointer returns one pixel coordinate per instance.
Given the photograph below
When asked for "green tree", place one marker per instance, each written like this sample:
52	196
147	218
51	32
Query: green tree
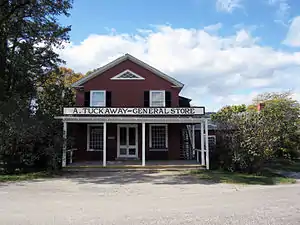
29	35
247	139
91	71
56	92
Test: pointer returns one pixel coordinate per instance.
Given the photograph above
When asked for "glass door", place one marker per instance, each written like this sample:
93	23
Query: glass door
127	141
122	141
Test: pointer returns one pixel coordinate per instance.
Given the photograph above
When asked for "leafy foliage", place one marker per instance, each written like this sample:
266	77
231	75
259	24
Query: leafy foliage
56	92
248	138
29	35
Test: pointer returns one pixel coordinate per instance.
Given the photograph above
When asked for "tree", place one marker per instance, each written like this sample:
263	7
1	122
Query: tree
56	92
247	139
91	71
29	35
282	114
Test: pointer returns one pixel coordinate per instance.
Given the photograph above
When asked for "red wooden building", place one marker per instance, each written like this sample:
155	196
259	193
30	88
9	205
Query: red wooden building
129	110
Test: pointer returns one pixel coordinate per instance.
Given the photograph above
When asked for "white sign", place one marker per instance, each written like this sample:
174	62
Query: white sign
135	111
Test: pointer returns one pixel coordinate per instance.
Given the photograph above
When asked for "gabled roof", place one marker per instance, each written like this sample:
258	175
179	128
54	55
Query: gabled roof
122	59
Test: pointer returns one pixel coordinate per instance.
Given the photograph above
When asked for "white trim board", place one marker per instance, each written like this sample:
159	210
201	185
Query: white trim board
127	119
122	59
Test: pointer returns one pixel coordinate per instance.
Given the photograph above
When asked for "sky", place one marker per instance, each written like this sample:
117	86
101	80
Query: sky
226	52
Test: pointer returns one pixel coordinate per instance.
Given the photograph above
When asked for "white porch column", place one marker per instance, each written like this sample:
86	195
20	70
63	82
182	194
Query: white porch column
206	144
202	144
143	144
193	141
104	144
64	150
71	156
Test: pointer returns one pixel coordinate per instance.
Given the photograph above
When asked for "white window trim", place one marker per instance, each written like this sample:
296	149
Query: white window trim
88	137
150	97
97	91
150	138
119	76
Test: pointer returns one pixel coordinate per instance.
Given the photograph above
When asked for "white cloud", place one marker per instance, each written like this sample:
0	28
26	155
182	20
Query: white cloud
282	10
228	5
293	35
213	27
216	70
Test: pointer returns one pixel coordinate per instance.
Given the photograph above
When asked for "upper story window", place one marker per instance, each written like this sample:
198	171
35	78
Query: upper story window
98	98
157	99
127	75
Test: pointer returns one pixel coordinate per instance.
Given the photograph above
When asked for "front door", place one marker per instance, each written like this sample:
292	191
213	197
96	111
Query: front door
127	141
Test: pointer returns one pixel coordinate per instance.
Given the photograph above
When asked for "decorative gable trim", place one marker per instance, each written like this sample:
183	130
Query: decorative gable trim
127	75
127	56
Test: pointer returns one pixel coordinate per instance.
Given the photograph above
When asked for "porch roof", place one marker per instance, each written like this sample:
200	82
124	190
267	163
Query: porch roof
130	119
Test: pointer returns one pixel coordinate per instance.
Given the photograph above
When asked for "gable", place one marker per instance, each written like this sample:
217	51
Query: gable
127	73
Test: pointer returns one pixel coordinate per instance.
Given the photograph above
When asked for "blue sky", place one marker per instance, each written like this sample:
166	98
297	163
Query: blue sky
225	51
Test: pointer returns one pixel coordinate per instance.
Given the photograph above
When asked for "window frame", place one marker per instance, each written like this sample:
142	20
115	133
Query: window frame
166	138
89	138
212	136
119	76
97	91
150	97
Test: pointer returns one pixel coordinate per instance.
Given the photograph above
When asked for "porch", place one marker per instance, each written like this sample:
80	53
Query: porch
129	136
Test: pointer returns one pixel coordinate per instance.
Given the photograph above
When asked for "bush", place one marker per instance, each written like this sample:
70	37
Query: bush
31	141
247	139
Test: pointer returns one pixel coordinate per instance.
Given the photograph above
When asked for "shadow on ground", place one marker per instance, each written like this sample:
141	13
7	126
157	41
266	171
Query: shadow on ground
174	177
164	177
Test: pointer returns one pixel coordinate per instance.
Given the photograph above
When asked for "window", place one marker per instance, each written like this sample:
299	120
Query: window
94	137
157	98
211	141
158	137
98	98
127	75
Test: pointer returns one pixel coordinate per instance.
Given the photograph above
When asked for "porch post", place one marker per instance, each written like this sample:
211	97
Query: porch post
202	144
143	144
206	144
64	150
104	144
193	138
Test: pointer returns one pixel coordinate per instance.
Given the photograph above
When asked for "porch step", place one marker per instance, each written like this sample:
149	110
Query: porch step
117	168
121	159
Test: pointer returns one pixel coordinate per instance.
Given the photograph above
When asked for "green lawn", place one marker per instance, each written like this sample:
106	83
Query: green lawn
269	175
26	176
219	176
285	165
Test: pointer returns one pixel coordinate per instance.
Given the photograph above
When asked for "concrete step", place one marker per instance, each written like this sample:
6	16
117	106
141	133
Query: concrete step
110	168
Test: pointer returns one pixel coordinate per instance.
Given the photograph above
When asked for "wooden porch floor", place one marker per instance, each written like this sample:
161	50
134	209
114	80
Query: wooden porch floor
136	164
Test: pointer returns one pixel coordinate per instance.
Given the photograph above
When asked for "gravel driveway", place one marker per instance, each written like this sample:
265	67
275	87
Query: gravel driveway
145	198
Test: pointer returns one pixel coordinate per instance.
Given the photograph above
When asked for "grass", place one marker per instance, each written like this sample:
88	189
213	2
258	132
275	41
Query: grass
25	176
285	165
219	176
269	175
